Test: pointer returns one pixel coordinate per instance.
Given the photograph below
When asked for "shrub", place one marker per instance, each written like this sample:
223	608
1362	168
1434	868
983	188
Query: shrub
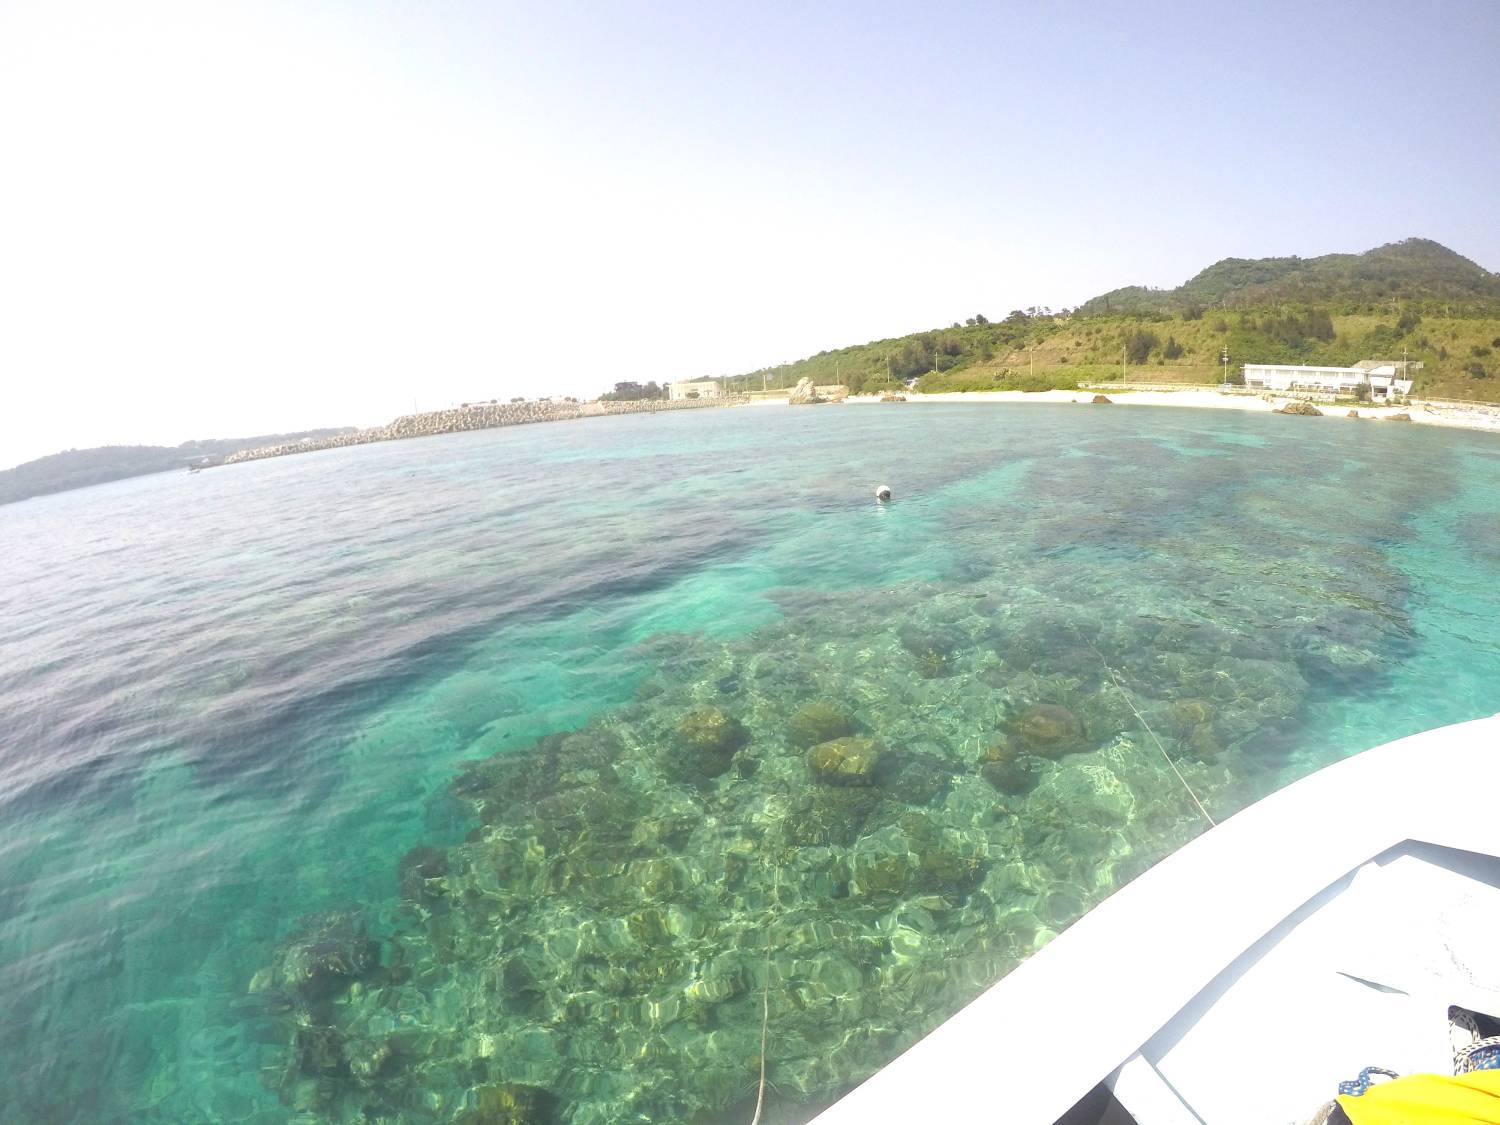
1476	369
1027	382
1139	344
1173	350
1479	351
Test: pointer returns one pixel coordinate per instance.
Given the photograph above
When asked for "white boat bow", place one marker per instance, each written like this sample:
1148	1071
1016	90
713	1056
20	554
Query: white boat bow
1244	975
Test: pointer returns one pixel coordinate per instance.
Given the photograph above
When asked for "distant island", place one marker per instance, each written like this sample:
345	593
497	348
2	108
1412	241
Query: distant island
79	468
1415	300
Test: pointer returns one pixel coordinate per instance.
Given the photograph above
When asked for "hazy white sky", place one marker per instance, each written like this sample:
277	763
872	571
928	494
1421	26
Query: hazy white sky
221	219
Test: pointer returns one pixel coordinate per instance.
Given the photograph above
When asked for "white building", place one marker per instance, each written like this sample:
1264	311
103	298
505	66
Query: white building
703	388
1382	378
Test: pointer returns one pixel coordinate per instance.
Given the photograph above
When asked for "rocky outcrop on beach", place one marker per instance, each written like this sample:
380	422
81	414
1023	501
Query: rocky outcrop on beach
803	394
480	416
1101	399
1300	408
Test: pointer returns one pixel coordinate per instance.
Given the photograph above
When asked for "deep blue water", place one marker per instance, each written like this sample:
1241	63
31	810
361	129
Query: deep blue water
233	702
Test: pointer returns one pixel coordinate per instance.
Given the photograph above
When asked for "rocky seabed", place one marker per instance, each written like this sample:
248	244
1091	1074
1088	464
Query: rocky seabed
844	825
480	417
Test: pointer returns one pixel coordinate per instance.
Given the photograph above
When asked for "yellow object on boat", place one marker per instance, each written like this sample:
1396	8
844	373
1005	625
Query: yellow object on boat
1432	1099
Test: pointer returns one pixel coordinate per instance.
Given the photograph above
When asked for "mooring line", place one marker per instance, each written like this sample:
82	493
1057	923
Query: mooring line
765	1021
1142	719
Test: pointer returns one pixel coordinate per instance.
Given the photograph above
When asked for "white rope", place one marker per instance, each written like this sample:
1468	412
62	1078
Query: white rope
1119	687
1129	703
765	1020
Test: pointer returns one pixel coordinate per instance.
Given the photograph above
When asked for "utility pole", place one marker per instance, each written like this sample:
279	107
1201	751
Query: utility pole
1224	359
1122	363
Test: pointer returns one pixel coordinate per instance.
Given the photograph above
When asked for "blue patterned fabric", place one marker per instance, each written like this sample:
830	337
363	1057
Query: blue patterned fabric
1484	1055
1359	1085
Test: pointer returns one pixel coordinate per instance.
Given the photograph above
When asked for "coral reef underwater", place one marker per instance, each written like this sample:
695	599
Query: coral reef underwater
863	813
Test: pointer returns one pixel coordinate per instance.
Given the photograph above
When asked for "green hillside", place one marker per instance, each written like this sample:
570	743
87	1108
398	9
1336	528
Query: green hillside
1415	299
1415	271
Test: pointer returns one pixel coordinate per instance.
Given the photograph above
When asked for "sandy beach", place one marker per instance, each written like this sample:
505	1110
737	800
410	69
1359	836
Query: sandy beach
1475	416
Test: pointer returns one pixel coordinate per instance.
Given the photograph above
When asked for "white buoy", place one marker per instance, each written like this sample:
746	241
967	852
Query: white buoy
883	492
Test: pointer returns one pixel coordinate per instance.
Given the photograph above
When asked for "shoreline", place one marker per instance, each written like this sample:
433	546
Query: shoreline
492	415
1453	415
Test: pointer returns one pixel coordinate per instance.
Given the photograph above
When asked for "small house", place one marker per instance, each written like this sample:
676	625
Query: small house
702	388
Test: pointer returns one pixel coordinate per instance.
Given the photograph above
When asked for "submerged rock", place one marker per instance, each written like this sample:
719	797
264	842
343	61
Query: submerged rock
845	761
1189	713
950	861
1014	777
933	648
420	874
509	1104
830	817
552	762
1192	721
917	779
710	737
1047	730
819	721
329	953
920	854
881	864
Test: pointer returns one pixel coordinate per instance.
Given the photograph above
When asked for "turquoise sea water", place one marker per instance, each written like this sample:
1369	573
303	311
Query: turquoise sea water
497	777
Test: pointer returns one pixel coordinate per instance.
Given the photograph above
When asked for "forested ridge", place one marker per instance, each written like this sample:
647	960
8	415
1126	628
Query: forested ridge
78	468
1414	299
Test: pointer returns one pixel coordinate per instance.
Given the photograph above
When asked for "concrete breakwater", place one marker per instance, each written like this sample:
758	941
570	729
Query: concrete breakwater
480	416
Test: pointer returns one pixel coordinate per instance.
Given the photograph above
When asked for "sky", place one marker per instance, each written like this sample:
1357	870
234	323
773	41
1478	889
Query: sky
222	219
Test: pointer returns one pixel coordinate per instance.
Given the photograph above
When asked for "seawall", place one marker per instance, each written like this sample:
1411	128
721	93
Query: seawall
480	416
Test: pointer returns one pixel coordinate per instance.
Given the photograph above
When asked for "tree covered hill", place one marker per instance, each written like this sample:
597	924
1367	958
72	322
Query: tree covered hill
1414	271
78	468
1415	299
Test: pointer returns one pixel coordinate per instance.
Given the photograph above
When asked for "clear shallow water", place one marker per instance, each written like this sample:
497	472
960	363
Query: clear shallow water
235	702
